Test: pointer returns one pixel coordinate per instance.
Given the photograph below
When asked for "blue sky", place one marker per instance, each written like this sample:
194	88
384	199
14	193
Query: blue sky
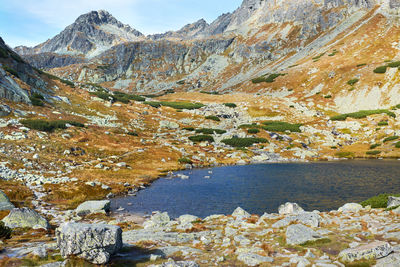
30	22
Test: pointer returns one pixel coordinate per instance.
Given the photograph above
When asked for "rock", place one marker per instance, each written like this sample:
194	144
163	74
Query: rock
41	252
184	219
92	242
5	203
158	220
172	263
397	210
169	125
90	207
290	208
25	218
374	250
389	261
4	110
393	202
55	264
309	218
239	212
350	207
298	234
251	259
121	165
136	236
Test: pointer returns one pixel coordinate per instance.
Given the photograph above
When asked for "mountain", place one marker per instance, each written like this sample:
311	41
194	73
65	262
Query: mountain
89	35
189	31
18	79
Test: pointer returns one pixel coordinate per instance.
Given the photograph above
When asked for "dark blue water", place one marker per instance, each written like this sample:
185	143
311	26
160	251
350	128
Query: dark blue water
262	188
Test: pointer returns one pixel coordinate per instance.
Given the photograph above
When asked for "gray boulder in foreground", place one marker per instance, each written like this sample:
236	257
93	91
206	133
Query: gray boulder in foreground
298	234
393	202
92	242
290	208
374	250
25	218
89	207
5	203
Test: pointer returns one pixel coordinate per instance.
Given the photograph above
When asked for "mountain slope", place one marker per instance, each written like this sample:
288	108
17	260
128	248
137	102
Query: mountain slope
90	34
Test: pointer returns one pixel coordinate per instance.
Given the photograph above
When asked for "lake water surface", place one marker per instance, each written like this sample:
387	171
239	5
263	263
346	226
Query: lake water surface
262	188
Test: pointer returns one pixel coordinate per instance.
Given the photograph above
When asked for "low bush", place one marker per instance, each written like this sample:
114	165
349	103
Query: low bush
3	53
190	129
230	105
394	64
383	123
11	71
268	79
185	161
153	104
121	95
210	93
245	126
362	114
318	57
243	142
17	58
5	232
397	145
210	131
373	152
361	65
37	99
201	138
390	138
345	154
352	81
381	69
49	126
253	131
328	96
374	146
378	202
280	126
213	118
182	105
133	134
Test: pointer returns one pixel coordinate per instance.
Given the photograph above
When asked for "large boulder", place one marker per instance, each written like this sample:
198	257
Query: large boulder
25	218
157	220
308	218
298	234
393	202
90	207
5	203
350	207
239	212
290	208
374	250
92	242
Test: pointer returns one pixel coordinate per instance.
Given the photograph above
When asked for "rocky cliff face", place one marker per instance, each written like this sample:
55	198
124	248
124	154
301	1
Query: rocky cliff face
16	76
89	35
189	31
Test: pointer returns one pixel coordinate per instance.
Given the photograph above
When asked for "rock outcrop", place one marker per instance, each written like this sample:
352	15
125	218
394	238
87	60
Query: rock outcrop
25	218
95	243
5	203
372	251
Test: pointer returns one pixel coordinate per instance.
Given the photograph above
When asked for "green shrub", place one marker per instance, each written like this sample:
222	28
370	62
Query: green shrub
374	146
390	138
243	142
214	118
361	65
103	95
210	131
353	81
362	114
5	232
345	154
270	79
210	93
68	83
153	104
3	53
49	126
383	123
36	102
182	105
11	71
185	161
394	64
245	126
373	152
253	131
190	129
17	58
201	138
280	126
381	69
230	105
129	96
182	82
328	96
318	57
133	134
378	202
103	67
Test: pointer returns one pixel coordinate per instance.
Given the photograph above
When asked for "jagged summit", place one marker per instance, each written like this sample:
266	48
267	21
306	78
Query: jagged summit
91	34
188	31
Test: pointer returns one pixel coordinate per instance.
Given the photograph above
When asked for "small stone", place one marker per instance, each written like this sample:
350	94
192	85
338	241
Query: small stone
393	202
374	250
251	259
